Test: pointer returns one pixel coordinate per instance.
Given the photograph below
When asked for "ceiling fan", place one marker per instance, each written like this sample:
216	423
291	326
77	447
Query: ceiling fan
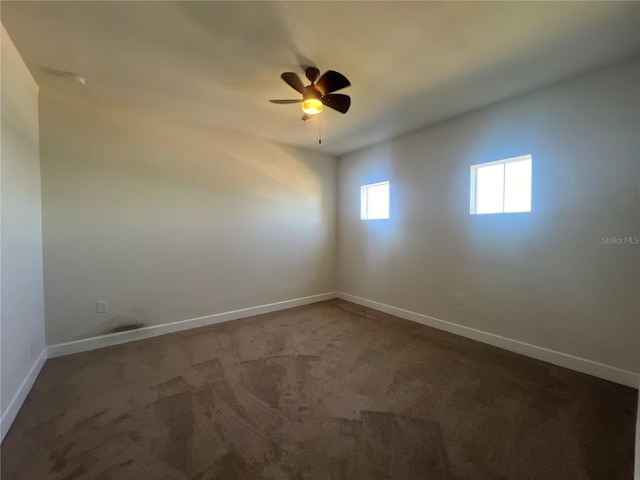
319	92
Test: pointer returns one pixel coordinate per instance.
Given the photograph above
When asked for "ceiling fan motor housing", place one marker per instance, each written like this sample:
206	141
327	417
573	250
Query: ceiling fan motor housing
311	92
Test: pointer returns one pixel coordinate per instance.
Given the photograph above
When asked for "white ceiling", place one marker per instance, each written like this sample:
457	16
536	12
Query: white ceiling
410	63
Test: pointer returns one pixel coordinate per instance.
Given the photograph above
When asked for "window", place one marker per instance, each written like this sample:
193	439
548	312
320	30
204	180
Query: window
374	201
501	187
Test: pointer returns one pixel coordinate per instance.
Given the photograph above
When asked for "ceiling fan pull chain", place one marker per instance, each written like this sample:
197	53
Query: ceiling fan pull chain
319	129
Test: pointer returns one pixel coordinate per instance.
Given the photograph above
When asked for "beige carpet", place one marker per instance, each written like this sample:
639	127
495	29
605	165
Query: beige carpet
326	391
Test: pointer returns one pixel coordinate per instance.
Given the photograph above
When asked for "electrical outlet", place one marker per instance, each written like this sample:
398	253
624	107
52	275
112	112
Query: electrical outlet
313	278
102	306
459	299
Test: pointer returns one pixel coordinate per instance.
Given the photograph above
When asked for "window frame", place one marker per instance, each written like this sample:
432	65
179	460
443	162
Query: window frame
474	183
364	200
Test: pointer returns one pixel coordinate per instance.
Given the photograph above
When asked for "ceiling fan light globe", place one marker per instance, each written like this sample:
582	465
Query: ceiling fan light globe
311	106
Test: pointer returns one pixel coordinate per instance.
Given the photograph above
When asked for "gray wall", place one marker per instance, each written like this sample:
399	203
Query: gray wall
169	221
544	277
21	300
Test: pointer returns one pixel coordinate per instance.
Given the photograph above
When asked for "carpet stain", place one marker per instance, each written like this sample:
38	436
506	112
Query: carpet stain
173	385
221	387
275	345
212	368
58	458
77	473
175	412
233	465
45	432
265	377
91	421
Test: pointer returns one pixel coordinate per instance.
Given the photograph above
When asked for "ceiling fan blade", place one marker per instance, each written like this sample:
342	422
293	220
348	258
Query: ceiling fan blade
284	102
332	81
293	80
337	101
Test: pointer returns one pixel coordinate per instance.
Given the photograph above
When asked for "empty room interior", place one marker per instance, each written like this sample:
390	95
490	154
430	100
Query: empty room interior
320	240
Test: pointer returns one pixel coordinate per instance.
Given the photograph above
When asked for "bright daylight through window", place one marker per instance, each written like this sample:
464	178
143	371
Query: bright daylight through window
501	187
374	201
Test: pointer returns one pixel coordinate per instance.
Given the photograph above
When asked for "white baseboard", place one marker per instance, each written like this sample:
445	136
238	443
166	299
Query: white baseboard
101	341
583	365
18	399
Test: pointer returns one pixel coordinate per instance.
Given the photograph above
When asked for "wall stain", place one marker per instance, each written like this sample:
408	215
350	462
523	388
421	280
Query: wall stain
125	328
